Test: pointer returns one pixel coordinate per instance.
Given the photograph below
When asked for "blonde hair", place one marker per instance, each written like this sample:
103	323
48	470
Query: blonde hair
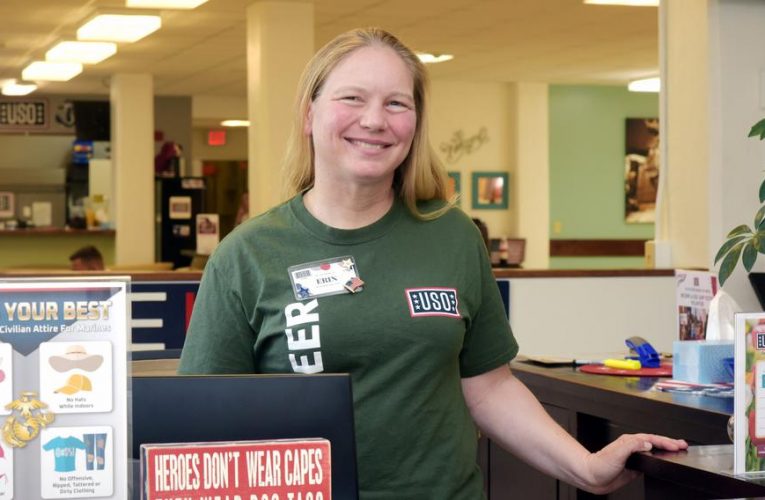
420	176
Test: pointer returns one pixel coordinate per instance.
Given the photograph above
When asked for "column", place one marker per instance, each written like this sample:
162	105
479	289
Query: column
280	40
132	117
532	177
681	225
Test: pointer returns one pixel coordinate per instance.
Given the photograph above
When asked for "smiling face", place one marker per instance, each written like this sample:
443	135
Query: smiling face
363	120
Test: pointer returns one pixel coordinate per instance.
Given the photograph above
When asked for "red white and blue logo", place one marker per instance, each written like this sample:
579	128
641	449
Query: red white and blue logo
432	302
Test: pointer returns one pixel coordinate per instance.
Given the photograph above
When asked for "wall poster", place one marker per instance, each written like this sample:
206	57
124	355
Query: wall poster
641	169
63	388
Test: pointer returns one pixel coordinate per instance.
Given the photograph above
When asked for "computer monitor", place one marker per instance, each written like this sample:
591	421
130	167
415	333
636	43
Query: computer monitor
185	409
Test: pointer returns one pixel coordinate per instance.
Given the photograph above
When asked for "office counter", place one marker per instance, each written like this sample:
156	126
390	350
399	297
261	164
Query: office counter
699	472
596	409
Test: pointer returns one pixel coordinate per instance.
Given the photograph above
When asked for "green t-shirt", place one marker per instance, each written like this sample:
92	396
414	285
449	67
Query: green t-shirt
429	314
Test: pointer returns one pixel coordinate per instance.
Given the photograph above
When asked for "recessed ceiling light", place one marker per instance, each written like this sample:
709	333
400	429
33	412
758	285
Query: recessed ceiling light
119	27
630	3
427	58
15	88
51	71
645	85
83	52
235	123
164	4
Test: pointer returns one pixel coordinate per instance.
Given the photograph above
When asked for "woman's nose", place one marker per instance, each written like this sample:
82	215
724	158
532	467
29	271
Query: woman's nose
373	117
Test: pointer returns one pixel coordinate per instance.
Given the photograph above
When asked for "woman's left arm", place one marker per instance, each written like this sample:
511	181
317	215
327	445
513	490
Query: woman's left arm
508	413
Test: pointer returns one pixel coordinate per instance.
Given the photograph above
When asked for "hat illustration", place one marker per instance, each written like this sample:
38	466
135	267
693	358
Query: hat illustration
75	383
76	357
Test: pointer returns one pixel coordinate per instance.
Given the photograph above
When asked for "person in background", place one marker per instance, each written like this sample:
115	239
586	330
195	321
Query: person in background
369	269
243	212
87	258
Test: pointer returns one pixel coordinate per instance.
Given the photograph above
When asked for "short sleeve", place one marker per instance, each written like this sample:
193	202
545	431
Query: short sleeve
219	338
489	341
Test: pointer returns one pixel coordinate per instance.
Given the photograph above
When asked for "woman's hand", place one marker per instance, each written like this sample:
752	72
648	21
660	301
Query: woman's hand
606	467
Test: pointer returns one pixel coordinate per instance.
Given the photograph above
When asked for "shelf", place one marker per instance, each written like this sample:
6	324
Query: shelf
56	231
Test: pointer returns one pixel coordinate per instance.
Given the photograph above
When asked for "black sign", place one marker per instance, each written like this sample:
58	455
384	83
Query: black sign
23	114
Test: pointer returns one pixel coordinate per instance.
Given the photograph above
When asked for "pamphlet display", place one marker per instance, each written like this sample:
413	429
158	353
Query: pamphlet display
749	405
208	233
281	469
63	388
694	291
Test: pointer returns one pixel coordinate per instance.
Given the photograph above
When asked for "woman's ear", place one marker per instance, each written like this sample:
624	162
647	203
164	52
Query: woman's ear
308	121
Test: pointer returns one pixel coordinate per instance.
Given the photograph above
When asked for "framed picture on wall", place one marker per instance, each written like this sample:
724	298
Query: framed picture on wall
641	169
455	185
490	190
6	204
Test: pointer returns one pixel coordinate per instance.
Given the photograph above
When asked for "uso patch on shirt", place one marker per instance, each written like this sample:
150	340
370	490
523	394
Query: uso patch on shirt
432	302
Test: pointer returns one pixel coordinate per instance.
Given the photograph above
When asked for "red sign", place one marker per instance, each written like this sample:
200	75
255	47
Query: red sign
216	138
244	470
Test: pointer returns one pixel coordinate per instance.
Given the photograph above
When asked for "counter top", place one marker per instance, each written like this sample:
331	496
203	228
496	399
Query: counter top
631	401
55	231
708	468
579	273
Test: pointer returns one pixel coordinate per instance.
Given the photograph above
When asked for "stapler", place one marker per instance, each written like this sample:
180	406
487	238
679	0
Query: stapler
647	355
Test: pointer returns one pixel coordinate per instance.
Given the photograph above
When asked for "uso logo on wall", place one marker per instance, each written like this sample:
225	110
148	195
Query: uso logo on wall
23	114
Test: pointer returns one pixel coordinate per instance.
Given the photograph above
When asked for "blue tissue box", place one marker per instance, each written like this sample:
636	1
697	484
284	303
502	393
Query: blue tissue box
701	361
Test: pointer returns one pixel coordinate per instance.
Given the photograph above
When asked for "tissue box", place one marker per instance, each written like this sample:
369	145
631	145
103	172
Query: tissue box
701	361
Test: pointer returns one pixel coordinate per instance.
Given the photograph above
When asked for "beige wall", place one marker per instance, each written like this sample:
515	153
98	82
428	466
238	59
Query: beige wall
234	149
35	151
490	106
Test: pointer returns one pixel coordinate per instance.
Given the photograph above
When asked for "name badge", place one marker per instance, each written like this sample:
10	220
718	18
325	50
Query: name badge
325	277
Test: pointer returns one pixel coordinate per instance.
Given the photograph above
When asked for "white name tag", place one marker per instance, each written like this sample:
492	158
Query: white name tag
325	277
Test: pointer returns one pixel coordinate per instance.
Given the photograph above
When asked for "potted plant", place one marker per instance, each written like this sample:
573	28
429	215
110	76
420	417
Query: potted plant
744	241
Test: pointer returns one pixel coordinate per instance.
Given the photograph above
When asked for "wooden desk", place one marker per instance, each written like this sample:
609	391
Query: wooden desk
596	409
699	472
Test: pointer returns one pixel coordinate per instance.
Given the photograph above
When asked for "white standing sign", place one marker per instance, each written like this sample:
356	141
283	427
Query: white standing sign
63	388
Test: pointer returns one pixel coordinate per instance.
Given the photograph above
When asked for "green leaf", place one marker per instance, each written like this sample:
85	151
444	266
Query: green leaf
759	216
729	263
758	129
762	192
739	230
749	256
725	248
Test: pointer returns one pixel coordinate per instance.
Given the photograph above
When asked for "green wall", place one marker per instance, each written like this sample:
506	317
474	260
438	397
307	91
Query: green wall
587	126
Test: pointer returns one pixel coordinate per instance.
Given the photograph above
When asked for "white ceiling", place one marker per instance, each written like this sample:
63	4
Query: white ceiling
202	52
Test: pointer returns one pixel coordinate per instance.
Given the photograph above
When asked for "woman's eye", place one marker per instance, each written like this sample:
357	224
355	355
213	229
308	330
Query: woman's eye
351	98
399	105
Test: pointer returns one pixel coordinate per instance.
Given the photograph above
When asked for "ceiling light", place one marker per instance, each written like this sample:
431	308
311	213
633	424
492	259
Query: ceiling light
645	85
51	71
433	58
119	27
164	4
15	88
83	52
235	123
630	3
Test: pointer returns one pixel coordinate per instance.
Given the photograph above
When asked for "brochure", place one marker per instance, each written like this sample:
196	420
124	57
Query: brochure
695	290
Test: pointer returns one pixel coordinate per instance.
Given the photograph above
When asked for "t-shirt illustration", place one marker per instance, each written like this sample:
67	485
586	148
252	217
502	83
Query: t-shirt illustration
64	451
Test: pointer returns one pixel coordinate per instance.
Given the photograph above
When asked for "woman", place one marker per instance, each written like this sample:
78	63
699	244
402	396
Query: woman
368	269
